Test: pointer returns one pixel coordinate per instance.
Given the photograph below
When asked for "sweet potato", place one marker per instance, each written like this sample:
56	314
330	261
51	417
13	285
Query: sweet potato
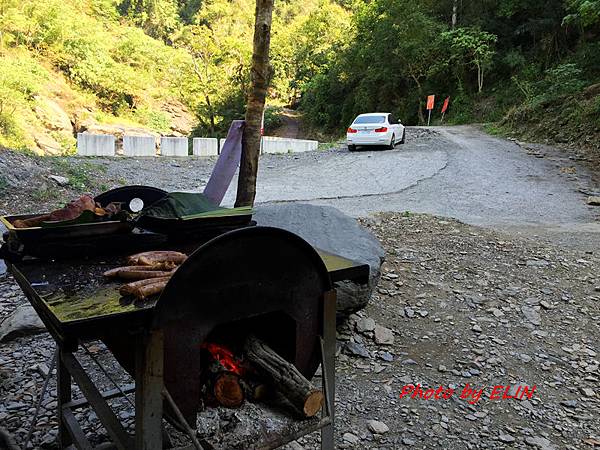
115	273
144	288
143	274
156	257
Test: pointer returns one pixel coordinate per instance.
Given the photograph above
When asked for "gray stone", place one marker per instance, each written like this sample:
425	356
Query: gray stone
384	336
365	324
61	181
22	321
386	356
540	442
377	427
351	438
357	349
506	438
329	229
532	315
6	440
593	200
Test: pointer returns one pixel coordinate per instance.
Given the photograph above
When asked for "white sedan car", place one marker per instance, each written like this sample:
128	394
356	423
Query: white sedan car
375	129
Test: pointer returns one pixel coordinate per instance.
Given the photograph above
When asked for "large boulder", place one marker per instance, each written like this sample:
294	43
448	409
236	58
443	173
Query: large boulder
22	321
330	230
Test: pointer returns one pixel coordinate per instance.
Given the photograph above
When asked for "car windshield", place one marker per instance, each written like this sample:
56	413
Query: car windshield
369	119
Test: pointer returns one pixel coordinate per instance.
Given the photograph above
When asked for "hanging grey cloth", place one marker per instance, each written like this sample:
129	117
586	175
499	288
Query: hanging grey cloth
227	164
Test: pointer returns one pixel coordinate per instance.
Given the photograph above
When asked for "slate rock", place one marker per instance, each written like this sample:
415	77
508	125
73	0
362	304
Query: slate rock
383	335
331	230
357	349
351	438
365	324
377	427
6	440
540	443
593	200
61	181
22	321
532	315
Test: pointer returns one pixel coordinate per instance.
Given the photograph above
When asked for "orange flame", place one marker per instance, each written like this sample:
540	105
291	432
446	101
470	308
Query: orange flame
224	356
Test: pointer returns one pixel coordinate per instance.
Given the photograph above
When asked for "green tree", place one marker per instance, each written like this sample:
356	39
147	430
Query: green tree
158	18
471	47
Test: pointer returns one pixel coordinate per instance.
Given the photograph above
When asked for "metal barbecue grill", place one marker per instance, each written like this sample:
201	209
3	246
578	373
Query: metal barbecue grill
258	280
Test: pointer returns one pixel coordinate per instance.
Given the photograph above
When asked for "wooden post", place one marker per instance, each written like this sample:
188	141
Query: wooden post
148	391
329	338
261	74
63	386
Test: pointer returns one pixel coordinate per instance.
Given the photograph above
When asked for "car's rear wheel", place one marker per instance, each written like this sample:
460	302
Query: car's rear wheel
392	142
351	148
403	136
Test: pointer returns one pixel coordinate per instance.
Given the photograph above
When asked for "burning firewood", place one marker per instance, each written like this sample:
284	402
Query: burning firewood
284	376
227	390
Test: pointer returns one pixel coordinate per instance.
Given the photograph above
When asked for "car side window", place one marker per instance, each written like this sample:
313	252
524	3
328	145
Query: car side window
392	120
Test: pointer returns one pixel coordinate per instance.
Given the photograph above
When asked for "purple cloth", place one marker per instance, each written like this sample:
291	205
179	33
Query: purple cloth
227	164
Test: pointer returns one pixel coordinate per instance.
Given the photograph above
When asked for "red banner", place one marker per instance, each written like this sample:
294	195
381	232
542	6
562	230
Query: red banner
445	106
430	101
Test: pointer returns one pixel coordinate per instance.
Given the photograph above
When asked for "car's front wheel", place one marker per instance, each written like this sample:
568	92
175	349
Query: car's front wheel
392	142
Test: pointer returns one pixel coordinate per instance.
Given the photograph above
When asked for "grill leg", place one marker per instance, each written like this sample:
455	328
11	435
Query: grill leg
63	396
329	310
148	389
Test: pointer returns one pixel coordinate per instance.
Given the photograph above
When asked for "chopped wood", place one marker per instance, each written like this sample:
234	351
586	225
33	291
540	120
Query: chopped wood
228	390
284	376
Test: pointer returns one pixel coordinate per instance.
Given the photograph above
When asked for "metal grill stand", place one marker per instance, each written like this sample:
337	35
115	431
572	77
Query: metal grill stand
149	387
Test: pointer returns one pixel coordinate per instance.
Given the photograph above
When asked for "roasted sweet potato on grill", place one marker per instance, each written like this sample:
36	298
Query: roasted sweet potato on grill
144	288
156	257
116	272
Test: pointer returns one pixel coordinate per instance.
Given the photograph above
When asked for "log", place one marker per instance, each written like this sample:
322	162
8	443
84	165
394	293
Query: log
227	390
286	378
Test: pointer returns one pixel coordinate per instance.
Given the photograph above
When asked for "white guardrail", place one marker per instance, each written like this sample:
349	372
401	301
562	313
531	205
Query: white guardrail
105	145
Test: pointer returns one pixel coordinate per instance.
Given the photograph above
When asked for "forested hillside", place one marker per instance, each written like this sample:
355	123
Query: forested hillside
181	66
167	66
527	61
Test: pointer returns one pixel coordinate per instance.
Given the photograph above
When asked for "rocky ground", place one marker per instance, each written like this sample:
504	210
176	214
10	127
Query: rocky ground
456	305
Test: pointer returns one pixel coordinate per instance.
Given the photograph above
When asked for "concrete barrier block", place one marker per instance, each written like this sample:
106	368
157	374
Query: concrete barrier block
205	146
272	144
95	144
139	146
221	142
173	146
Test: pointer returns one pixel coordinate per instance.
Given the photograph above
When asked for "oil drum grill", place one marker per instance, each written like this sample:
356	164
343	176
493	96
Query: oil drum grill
251	281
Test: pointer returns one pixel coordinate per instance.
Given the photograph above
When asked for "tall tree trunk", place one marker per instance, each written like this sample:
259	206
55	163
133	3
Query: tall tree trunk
454	13
261	73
